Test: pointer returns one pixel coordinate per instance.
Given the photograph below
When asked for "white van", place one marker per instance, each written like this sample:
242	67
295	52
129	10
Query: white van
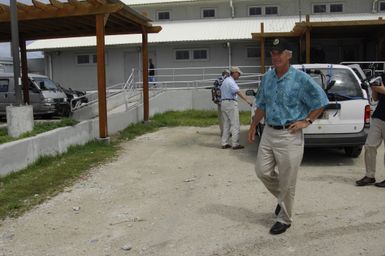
46	98
345	121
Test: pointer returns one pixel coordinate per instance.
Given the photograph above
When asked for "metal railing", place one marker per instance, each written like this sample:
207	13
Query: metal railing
200	76
132	89
128	88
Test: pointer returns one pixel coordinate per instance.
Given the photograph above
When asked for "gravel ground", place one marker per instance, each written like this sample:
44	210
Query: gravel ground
175	192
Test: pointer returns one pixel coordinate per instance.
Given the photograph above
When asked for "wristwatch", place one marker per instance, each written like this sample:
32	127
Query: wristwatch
308	120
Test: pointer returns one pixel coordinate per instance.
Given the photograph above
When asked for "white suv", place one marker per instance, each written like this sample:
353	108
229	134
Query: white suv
345	121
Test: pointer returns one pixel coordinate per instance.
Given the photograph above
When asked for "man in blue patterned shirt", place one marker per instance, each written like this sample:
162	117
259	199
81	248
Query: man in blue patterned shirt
289	100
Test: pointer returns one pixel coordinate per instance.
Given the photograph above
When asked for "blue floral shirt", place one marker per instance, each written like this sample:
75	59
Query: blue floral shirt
289	98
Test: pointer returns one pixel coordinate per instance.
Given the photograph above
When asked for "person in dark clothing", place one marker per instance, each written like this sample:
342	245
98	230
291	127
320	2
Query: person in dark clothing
375	137
151	73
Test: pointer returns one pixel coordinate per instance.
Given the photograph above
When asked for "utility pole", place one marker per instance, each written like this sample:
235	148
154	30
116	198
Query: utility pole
15	51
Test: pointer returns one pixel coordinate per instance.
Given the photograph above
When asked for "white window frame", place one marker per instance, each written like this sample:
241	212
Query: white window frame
263	10
90	59
379	6
208	9
188	50
191	54
199	49
163	11
314	4
342	5
276	6
256	6
327	9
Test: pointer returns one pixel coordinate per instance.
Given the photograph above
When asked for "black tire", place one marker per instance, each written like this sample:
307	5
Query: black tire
353	151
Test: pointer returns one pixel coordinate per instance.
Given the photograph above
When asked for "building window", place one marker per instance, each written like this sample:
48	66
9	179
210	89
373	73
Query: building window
263	10
336	8
200	54
4	84
253	52
255	11
182	54
328	8
319	8
271	10
84	59
192	54
381	6
164	15
208	13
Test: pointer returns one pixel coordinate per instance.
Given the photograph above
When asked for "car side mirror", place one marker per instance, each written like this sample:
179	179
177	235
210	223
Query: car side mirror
250	92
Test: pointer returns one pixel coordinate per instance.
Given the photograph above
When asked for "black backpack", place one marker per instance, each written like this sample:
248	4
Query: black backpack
216	90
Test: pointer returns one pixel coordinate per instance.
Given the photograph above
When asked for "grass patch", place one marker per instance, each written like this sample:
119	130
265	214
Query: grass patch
22	190
39	127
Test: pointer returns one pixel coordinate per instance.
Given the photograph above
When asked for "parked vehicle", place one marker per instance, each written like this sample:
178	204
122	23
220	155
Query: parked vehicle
75	97
345	121
365	82
46	98
370	68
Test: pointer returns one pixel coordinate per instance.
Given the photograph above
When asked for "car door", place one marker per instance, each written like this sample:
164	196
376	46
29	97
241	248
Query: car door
7	94
346	111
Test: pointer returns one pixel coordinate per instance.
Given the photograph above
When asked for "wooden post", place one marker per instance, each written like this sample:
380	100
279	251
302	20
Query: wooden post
262	42
308	44
101	72
145	75
24	71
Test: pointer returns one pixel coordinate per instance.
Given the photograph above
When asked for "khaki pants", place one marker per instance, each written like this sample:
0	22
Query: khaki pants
230	116
220	118
375	137
281	149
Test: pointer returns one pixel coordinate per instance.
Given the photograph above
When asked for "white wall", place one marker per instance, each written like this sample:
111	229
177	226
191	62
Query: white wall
19	154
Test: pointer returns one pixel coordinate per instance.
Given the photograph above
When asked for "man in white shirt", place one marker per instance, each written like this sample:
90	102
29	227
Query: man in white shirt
229	108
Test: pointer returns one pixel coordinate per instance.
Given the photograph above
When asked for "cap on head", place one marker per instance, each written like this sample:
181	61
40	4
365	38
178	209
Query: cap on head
236	69
226	71
280	44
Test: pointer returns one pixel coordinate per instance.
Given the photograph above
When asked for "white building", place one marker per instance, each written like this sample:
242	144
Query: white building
198	34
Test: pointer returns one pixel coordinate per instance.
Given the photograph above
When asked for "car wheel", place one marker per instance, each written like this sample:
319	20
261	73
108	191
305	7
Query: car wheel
353	151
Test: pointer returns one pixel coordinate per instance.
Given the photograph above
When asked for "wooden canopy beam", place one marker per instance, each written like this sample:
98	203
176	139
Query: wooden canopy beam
262	42
56	3
42	6
101	71
23	7
145	75
66	10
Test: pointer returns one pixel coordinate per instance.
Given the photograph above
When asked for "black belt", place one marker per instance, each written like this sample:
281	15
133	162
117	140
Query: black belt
228	99
279	127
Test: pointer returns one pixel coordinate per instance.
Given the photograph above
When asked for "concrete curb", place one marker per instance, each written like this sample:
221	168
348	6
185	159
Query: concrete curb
19	154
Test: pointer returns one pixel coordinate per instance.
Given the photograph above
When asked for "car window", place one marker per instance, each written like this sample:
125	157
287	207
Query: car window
345	82
45	83
4	83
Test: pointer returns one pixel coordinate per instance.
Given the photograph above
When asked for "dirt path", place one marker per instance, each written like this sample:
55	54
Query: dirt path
174	192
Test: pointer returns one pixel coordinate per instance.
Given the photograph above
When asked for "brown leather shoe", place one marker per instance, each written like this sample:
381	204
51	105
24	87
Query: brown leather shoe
365	181
226	146
238	147
380	184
